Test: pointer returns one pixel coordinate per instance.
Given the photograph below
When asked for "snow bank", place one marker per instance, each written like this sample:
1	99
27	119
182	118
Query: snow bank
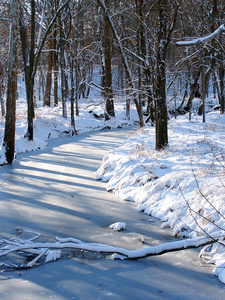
183	185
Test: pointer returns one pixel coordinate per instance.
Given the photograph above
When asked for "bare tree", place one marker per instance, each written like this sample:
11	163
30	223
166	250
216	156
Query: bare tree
34	56
205	55
124	59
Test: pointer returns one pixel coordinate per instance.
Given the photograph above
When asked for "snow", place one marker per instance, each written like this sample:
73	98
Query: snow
118	226
182	185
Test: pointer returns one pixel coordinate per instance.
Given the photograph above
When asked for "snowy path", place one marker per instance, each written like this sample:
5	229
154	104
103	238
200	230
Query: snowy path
54	192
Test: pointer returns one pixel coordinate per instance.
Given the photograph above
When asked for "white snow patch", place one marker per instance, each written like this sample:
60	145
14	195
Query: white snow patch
53	255
118	226
117	256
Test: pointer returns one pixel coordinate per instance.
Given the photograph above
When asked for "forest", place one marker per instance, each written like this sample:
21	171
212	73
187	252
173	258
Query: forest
156	64
141	49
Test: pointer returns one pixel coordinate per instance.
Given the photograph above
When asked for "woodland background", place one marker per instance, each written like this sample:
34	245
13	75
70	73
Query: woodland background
64	48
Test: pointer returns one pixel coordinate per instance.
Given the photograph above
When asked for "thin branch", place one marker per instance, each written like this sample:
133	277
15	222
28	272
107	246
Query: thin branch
45	37
204	195
191	210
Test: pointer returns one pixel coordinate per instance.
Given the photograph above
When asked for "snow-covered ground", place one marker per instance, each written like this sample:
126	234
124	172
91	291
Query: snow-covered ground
182	185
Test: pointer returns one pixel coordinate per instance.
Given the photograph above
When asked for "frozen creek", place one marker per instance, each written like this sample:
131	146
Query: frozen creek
54	192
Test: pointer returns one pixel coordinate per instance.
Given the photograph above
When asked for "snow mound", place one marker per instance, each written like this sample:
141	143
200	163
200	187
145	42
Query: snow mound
118	226
53	255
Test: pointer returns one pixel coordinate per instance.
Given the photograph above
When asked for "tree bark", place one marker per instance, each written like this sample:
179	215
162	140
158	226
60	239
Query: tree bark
161	106
108	91
2	90
10	122
25	51
63	69
48	85
140	52
55	67
222	84
30	104
72	88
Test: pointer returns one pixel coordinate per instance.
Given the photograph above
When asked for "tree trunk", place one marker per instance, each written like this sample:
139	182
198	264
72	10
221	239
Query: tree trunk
63	69
55	67
2	90
193	92
127	100
219	82
203	96
72	89
2	103
56	71
222	79
10	122
161	106
141	53
108	92
30	111
77	89
48	85
222	86
25	51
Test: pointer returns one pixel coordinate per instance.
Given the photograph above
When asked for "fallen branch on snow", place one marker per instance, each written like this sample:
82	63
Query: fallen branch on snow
52	251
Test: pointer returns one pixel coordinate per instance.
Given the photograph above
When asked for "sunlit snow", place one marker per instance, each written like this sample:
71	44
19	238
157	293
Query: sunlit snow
183	185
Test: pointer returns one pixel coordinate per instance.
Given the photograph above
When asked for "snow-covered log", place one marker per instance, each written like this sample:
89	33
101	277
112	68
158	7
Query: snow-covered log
204	39
52	251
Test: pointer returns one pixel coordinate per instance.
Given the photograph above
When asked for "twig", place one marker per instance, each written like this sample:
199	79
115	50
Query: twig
31	263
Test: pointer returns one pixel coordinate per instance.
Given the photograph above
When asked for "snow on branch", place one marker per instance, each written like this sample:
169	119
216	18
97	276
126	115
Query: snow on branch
53	250
202	39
